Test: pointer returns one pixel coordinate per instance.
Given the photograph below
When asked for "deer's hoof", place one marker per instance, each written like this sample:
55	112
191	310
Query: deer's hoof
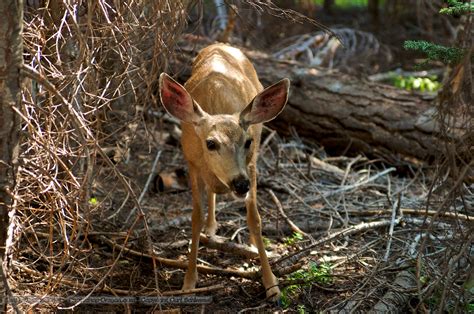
273	294
211	229
188	287
189	282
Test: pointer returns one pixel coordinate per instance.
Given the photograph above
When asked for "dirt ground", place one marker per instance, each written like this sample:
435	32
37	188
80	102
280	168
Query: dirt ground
351	193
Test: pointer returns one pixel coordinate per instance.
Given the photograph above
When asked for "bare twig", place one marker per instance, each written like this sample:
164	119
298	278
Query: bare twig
218	243
145	188
395	208
291	258
183	265
292	225
196	290
412	211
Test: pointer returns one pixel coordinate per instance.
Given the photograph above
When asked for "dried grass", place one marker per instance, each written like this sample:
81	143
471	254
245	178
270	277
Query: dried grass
92	69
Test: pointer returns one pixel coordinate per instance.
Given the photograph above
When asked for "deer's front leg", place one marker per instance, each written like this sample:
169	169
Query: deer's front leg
270	282
211	226
197	187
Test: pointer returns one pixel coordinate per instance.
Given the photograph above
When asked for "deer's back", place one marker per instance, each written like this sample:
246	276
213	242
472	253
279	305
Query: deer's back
223	80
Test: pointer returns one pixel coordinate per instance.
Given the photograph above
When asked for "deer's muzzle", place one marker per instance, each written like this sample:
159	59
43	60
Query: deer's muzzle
240	186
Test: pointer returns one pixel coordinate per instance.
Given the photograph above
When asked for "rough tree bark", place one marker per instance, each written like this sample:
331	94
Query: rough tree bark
373	8
11	58
343	112
346	113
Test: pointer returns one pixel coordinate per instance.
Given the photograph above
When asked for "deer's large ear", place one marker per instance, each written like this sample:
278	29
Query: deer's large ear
177	101
267	104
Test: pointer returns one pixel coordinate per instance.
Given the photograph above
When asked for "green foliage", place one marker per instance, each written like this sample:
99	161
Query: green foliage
429	84
345	4
318	274
457	8
470	307
301	309
433	302
295	237
448	55
266	242
93	201
469	287
424	279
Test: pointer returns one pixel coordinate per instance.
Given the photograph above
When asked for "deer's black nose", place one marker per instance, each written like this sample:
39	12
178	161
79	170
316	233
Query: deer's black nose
240	185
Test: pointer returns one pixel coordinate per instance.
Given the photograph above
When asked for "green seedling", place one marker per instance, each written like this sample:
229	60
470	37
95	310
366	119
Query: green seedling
295	237
429	84
470	307
301	309
267	242
314	274
93	201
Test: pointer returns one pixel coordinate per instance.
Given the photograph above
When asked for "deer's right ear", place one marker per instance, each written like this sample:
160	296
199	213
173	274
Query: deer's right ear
177	101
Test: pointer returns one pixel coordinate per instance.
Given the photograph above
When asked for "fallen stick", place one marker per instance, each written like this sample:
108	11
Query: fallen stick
81	286
218	243
145	188
412	211
295	257
252	275
290	223
398	295
184	265
195	290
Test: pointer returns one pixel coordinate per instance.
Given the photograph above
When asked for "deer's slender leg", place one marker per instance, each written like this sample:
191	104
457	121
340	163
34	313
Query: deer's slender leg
197	187
270	282
211	226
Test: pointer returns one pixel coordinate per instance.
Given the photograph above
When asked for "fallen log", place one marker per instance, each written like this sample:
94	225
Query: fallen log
342	112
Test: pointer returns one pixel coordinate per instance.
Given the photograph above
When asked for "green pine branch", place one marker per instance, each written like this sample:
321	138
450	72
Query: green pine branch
447	55
456	7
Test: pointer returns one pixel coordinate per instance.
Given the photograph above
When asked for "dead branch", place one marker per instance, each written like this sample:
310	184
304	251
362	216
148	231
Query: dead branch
220	244
195	290
292	225
183	265
145	188
412	211
398	295
294	257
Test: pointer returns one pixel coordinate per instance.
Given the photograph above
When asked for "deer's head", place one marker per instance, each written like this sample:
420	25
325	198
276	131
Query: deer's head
227	141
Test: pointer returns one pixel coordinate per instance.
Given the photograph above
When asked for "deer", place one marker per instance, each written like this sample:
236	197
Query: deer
222	107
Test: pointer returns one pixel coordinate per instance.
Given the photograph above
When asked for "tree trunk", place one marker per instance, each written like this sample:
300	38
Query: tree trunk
342	112
345	113
328	6
373	8
11	49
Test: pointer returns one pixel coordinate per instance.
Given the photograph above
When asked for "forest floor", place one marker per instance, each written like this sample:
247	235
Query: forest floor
363	222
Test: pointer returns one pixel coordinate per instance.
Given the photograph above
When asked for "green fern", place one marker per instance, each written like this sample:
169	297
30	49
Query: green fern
295	238
457	8
447	55
314	273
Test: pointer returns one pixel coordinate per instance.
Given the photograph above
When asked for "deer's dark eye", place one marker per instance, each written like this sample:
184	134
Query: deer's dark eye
211	145
248	143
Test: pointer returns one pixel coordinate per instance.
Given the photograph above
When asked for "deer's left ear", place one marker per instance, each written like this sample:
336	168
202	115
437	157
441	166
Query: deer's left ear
267	104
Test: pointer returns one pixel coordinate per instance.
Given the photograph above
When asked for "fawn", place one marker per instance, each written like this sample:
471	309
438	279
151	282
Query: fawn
222	107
